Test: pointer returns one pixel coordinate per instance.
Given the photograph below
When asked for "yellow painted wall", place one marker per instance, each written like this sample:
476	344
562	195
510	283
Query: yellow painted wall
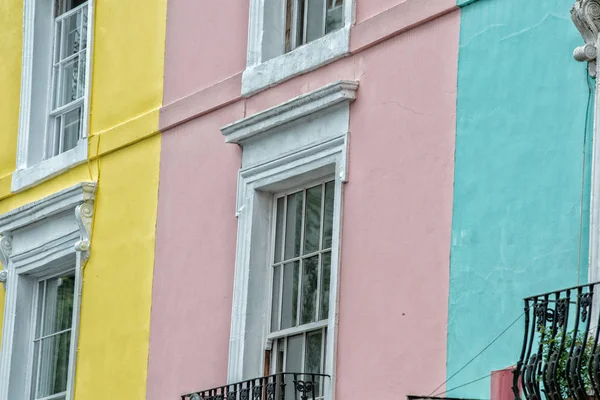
127	78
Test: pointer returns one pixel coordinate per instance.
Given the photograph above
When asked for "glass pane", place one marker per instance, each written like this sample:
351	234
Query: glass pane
314	341
294	354
81	80
54	146
335	17
289	15
310	273
328	217
57	40
84	27
71	42
62	6
40	307
312	220
315	20
300	23
58	310
293	228
279	228
54	365
72	122
275	297
280	355
289	304
325	282
69	76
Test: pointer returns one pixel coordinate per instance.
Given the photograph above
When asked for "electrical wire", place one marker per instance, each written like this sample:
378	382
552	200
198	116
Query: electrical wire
481	352
463	385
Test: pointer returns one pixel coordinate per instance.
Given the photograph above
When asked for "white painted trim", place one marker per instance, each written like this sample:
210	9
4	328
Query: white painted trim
41	255
261	73
324	158
298	61
26	82
25	178
291	110
26	175
56	203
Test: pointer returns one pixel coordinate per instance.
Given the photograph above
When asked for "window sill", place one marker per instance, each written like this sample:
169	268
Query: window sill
299	61
25	178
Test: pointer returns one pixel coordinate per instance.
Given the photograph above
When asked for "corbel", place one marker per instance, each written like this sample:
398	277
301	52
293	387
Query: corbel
83	215
585	14
5	251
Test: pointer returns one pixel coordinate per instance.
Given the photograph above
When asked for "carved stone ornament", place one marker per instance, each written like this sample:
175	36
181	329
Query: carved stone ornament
5	250
586	17
83	215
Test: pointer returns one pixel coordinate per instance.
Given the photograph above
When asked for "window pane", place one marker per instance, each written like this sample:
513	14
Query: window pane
294	354
279	229
84	20
81	80
71	41
280	356
69	76
289	15
335	17
275	302
312	220
328	217
300	23
58	310
310	273
315	24
289	305
325	282
54	365
293	227
72	122
314	342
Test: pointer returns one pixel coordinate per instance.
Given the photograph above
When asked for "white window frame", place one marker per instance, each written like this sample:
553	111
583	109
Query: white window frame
266	28
28	174
302	140
41	239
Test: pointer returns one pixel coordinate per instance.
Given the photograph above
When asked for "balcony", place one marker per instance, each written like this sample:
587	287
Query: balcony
288	386
560	357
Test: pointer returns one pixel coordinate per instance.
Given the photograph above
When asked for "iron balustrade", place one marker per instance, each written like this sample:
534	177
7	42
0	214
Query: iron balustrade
283	386
560	357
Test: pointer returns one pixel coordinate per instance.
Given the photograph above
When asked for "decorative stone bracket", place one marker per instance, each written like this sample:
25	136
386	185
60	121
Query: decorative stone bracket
5	250
83	215
78	199
586	17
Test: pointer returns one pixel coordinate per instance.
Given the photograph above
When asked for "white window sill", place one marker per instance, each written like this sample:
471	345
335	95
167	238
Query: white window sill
30	176
299	61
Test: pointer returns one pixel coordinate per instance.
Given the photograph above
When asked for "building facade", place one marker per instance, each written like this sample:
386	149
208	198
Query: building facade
79	167
309	199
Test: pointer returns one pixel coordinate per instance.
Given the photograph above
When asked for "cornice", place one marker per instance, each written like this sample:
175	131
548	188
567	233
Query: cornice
298	107
56	203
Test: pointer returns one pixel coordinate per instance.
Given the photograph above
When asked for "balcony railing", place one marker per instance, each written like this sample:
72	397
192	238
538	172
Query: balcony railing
284	386
560	357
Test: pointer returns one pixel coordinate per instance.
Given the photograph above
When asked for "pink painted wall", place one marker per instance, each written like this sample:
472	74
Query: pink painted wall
396	216
206	43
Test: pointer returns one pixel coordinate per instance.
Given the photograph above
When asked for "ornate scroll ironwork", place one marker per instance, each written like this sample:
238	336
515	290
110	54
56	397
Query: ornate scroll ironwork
560	356
273	387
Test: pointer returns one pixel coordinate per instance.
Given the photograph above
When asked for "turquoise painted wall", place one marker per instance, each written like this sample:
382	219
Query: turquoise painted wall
521	198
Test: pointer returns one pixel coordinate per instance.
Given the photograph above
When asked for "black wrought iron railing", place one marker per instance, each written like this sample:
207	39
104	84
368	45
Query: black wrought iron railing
284	386
560	357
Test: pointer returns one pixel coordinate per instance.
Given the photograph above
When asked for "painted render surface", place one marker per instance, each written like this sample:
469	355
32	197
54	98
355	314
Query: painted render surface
396	212
126	96
519	222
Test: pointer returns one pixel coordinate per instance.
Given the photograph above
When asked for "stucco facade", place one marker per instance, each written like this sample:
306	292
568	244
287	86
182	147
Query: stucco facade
124	150
397	201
